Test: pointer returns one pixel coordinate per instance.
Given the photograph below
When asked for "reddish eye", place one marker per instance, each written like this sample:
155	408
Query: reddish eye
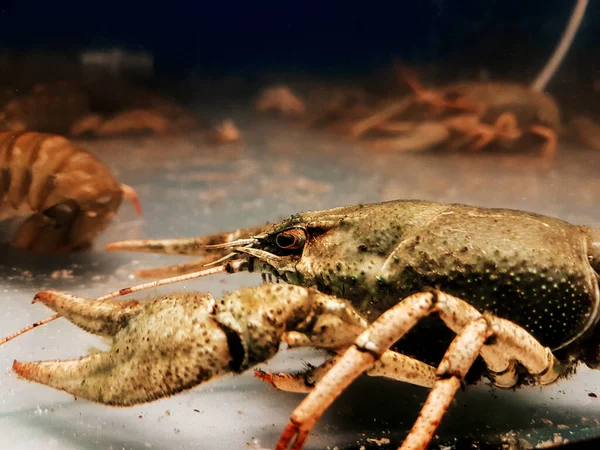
291	239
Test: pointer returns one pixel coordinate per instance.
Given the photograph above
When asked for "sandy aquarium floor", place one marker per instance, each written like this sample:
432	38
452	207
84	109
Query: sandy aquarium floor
188	187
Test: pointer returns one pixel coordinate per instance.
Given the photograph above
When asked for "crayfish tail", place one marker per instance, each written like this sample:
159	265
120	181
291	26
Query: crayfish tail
104	317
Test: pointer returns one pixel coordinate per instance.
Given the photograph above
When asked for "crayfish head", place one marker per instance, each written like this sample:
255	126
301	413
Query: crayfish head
346	251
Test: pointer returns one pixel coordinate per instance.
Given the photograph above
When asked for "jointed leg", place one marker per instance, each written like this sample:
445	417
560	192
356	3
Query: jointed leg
130	194
512	343
510	339
380	117
435	98
300	382
454	366
392	365
550	147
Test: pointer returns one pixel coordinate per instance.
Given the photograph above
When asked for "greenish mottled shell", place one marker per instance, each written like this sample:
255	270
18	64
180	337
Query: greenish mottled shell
528	268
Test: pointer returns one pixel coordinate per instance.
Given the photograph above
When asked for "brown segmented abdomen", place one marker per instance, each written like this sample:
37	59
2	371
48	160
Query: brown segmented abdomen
72	194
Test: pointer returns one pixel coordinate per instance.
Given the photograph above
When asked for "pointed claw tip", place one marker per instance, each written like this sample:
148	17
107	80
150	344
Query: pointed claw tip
19	368
43	297
262	375
28	372
31	371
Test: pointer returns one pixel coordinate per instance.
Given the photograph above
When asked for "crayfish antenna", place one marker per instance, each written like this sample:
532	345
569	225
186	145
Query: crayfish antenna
236	266
185	268
198	245
83	321
170	271
215	249
104	318
28	328
95	316
184	246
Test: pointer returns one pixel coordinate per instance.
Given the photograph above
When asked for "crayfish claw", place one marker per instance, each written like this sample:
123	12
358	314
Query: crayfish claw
174	342
160	348
64	375
101	317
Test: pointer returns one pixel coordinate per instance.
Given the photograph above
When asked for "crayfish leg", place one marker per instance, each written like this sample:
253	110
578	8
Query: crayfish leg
473	330
457	361
104	318
299	382
391	365
176	269
551	144
130	194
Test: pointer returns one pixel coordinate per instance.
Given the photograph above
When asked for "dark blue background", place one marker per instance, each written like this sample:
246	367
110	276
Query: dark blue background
237	36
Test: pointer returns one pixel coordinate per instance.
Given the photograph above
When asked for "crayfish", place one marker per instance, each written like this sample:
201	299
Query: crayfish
426	293
68	195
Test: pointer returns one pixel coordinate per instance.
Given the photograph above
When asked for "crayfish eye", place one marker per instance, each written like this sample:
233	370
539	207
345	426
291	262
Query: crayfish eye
291	239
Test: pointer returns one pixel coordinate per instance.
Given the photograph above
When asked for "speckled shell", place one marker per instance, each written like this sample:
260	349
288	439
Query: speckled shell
530	269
